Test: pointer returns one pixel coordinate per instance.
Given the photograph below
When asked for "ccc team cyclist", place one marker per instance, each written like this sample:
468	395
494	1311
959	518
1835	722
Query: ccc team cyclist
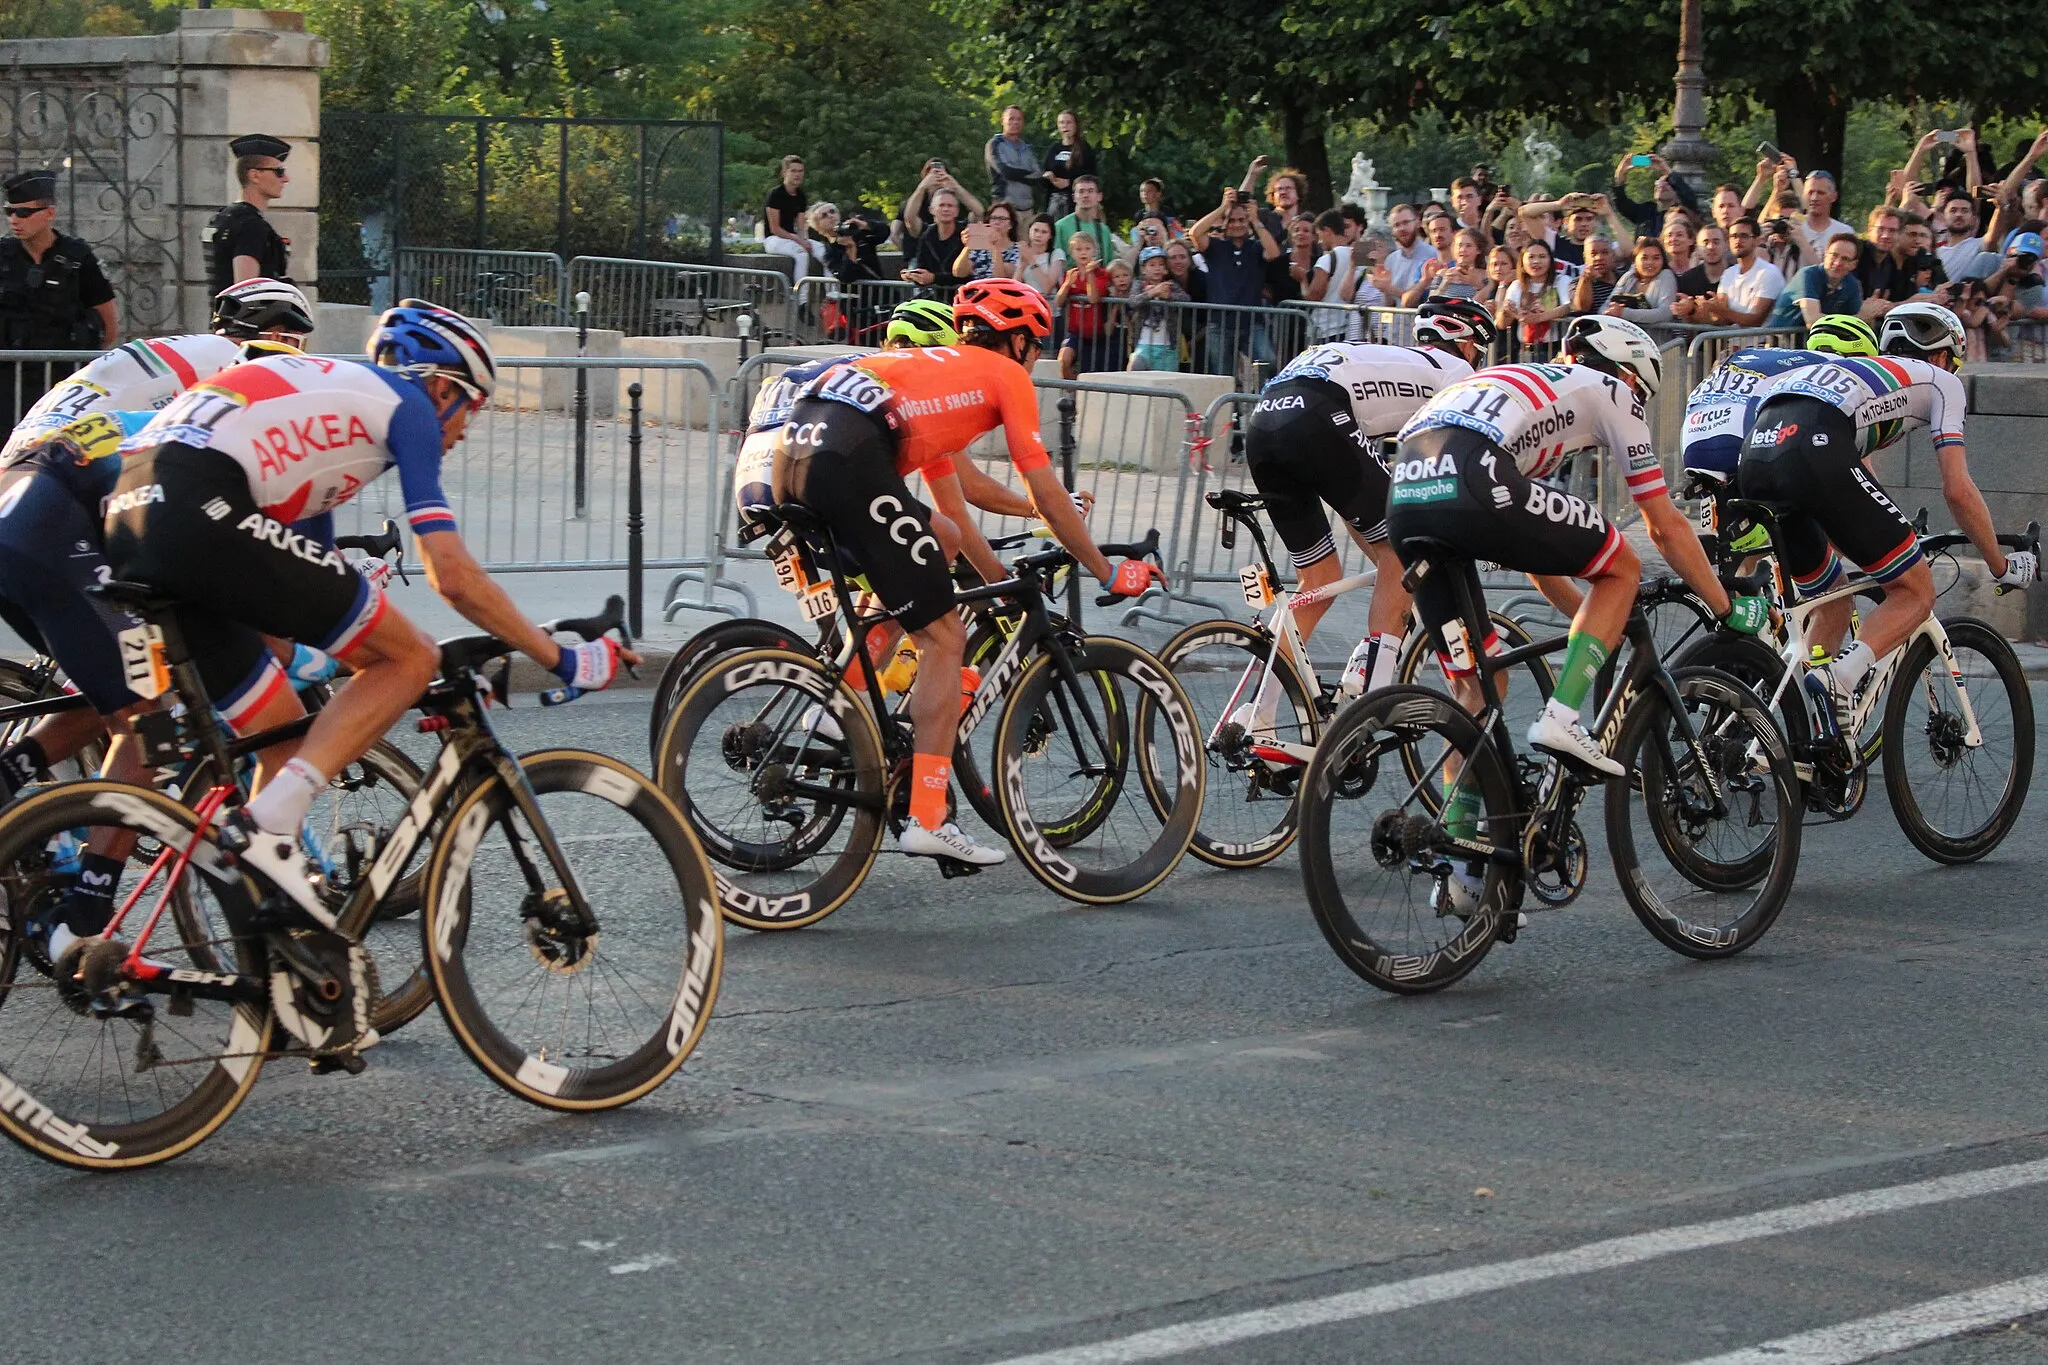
204	510
852	436
1314	438
1806	447
1466	476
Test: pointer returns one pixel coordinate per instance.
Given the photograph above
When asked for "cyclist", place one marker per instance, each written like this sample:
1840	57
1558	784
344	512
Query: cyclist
1314	439
858	429
203	512
1466	475
1805	449
1718	409
249	317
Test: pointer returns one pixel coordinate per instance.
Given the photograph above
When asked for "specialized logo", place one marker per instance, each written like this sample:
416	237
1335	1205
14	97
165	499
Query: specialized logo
887	512
278	536
1554	505
135	498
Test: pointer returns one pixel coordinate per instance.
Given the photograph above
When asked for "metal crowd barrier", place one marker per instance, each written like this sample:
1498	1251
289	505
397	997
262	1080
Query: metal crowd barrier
1335	321
658	298
509	288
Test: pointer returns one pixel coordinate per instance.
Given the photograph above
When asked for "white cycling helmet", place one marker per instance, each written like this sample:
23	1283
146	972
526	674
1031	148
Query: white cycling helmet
247	309
1921	330
1619	342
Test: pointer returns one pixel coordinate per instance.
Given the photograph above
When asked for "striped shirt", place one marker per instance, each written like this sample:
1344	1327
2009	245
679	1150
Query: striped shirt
1886	396
141	376
1540	414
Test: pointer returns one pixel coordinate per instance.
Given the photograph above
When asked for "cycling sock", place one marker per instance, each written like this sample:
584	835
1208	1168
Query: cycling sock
1583	657
19	764
1461	809
930	775
1850	666
92	899
282	804
1386	657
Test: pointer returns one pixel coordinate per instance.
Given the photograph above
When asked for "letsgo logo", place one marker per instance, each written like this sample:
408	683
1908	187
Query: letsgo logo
1774	436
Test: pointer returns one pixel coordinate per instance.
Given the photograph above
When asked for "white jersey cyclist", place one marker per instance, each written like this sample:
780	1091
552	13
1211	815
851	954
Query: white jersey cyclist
310	433
140	376
1385	384
1543	414
1884	397
753	484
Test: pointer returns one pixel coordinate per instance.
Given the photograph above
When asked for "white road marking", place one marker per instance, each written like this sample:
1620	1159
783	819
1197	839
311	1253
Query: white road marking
1934	1320
644	1264
1595	1256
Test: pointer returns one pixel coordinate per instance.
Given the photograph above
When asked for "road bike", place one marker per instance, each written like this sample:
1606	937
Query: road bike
1709	793
1948	711
789	775
1249	809
569	920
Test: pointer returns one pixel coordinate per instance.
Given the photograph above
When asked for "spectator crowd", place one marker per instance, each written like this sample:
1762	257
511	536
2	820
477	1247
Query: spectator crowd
1160	293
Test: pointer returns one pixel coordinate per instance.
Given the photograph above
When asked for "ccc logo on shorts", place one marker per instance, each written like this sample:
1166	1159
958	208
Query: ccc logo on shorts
885	511
807	433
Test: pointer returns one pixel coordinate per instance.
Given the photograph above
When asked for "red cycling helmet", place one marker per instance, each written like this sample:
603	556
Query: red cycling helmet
1001	306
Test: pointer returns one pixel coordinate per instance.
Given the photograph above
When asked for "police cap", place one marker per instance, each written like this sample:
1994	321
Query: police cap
260	144
29	186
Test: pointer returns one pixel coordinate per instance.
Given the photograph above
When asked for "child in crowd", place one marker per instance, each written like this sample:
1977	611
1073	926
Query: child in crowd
1157	340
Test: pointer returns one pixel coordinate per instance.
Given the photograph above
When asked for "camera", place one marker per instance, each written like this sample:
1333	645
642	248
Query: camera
1944	135
1629	300
1922	260
1779	228
1769	151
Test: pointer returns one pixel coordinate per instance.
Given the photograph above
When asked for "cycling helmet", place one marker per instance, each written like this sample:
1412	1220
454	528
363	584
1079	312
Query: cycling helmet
1001	306
1620	343
924	322
423	339
248	308
1922	330
1842	334
1449	321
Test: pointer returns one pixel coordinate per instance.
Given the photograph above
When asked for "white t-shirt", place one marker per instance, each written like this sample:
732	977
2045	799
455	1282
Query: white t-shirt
1812	243
1539	414
1753	289
1329	324
1957	257
140	376
1386	384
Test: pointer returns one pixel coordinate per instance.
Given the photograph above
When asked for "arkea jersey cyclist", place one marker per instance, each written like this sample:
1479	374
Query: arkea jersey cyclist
140	376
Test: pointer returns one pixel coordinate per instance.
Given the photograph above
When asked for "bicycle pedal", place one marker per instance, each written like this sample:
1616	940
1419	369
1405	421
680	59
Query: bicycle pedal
120	1003
352	1063
953	867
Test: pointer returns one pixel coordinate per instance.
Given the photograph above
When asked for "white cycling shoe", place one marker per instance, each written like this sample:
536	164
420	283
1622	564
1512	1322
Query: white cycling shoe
1255	726
281	861
947	841
1460	893
1568	740
819	721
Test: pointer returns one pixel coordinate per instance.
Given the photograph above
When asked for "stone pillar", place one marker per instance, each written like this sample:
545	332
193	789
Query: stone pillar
248	71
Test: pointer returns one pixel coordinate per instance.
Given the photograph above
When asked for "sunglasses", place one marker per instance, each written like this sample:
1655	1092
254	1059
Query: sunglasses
14	212
274	170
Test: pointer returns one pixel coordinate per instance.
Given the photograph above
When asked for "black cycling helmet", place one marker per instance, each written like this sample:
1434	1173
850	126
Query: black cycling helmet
247	309
1450	321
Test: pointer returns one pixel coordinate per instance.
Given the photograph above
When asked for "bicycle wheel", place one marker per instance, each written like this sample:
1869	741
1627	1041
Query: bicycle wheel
1727	875
1525	688
346	826
1759	667
111	1094
1248	805
1076	820
726	637
974	758
19	684
1376	862
564	1015
1957	801
794	815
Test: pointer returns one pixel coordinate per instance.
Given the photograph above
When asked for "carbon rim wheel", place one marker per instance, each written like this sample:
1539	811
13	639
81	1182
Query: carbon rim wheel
1956	801
109	1094
726	637
1248	803
743	758
1527	687
1704	885
1134	832
1381	879
561	1016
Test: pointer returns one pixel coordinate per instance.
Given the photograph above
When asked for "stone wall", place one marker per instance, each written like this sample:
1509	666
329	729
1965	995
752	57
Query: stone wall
225	72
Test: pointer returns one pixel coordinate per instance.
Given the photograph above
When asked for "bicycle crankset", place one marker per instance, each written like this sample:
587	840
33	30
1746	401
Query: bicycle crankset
1556	864
1840	781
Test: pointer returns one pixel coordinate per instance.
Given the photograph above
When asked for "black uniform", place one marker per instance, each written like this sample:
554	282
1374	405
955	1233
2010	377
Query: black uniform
241	230
46	305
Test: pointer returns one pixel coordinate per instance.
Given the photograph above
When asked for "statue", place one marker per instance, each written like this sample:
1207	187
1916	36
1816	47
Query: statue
1366	190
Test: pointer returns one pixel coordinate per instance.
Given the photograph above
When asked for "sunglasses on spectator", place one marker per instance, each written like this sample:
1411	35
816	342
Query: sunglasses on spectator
274	170
15	211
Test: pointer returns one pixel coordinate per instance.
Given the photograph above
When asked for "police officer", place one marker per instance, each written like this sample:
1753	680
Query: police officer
53	294
240	242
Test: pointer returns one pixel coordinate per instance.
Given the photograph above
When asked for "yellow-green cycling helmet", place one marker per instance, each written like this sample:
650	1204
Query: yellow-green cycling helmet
922	322
1842	334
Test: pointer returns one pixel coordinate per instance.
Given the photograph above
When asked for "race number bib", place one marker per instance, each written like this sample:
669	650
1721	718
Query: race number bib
142	661
854	387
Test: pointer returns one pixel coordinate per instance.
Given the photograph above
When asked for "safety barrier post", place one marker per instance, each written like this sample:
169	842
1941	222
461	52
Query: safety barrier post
636	550
1067	407
582	503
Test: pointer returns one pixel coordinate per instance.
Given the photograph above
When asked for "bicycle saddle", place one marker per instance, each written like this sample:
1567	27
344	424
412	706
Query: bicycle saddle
138	599
1230	500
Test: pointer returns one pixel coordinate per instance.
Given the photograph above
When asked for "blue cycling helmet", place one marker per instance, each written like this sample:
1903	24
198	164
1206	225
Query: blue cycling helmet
422	339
